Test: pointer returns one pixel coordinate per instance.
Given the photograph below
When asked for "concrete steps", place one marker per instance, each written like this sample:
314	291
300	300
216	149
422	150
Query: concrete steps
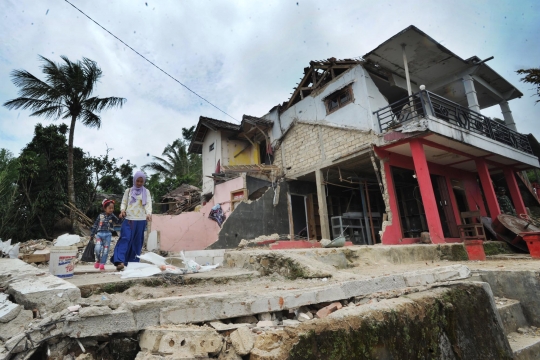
511	314
524	339
525	346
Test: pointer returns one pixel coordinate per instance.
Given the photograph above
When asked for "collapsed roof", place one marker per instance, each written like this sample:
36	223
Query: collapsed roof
251	127
431	64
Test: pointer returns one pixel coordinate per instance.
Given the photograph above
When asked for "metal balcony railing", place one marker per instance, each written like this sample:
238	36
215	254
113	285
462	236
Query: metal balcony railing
421	104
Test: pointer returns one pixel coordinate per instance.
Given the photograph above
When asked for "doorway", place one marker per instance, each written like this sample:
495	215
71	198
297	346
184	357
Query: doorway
299	215
444	205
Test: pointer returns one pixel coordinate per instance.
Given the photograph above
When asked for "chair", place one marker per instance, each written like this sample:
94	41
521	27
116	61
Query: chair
471	227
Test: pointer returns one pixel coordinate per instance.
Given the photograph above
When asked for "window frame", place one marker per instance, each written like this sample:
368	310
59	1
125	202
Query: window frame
336	95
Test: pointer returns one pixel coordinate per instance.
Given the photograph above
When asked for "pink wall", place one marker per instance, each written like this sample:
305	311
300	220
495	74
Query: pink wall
194	230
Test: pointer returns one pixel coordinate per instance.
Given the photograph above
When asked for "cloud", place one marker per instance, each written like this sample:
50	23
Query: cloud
244	57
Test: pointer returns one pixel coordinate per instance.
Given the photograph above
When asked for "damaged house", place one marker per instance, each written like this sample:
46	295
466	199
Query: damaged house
379	149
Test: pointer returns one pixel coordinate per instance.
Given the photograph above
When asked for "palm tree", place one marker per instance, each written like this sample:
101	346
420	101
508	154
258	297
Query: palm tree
65	93
176	163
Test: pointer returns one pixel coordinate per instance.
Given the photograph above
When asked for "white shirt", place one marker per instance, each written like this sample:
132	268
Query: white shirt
136	211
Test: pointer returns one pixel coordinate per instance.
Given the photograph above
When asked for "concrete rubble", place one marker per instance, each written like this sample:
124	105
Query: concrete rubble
39	312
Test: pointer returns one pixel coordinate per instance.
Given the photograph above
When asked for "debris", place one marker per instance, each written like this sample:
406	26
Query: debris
325	242
242	340
265	317
304	317
261	324
289	322
327	310
250	319
67	240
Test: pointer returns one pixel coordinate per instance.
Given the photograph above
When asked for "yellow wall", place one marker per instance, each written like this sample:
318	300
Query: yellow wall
247	157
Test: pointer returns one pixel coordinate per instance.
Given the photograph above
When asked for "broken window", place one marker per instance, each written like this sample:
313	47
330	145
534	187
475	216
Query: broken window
211	147
338	99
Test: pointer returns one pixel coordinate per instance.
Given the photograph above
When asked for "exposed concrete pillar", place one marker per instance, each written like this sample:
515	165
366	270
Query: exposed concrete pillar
406	67
323	208
470	91
513	188
426	191
487	186
507	115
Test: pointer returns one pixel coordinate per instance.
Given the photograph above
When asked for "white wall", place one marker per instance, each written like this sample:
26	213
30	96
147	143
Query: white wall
210	159
357	114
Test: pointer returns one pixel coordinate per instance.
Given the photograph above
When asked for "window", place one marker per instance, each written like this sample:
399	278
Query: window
211	147
338	99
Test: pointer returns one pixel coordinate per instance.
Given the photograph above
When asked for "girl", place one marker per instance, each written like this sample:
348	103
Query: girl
137	209
102	228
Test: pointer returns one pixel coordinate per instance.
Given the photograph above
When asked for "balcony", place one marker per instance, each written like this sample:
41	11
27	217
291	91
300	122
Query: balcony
425	103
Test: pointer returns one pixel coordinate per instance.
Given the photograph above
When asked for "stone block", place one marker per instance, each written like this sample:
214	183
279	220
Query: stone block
265	317
327	310
242	340
290	322
118	321
16	326
34	288
8	310
261	324
94	311
182	341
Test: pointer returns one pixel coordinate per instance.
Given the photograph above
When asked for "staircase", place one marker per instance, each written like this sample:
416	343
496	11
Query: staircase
523	338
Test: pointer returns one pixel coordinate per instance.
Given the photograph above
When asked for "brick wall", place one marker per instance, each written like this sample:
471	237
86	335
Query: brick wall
307	146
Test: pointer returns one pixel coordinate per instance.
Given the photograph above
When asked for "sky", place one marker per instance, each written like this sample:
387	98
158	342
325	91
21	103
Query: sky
243	56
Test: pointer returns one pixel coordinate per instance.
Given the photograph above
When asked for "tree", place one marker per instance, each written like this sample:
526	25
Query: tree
532	76
187	133
66	93
176	163
9	169
42	182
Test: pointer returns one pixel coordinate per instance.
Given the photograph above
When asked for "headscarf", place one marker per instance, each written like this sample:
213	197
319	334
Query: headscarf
136	191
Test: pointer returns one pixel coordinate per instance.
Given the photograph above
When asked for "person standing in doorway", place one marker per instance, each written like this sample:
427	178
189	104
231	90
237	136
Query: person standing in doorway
136	207
504	202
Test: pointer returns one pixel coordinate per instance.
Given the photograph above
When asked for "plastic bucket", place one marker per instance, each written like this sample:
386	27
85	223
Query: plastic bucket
62	261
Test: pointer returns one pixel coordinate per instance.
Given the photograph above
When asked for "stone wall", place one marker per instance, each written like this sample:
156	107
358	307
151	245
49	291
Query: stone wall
308	146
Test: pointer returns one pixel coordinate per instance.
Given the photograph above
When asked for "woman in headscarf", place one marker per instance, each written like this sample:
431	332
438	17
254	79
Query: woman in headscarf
137	209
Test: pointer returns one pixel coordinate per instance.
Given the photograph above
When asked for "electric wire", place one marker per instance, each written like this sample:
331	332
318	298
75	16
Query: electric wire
157	67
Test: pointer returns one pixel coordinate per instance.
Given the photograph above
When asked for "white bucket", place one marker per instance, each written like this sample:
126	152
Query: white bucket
62	261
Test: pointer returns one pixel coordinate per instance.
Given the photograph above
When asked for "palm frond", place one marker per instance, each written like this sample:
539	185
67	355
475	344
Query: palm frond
38	106
55	76
92	73
157	167
90	119
99	104
32	87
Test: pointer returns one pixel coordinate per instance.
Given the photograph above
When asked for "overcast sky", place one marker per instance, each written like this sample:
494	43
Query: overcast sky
243	56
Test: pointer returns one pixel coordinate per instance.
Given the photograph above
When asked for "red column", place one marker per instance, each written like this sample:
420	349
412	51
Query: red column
487	186
426	190
453	200
513	188
392	233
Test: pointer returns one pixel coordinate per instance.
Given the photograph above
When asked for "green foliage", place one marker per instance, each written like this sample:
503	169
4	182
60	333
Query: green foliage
187	133
9	169
175	167
33	187
532	76
67	93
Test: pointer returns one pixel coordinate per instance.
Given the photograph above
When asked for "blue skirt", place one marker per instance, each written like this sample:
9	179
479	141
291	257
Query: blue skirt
130	243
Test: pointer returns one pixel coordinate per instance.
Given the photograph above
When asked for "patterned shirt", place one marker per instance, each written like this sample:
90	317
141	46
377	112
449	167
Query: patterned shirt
506	205
104	222
136	210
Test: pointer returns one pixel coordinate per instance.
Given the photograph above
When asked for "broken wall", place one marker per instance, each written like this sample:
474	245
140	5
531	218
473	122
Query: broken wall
252	219
210	159
358	114
194	230
308	146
